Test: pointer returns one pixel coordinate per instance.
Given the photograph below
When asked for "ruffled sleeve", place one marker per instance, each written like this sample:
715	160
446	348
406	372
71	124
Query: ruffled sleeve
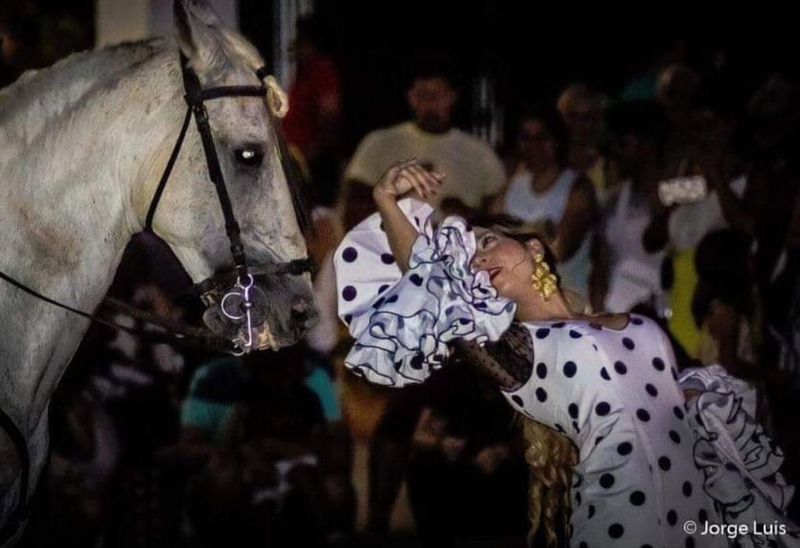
402	323
740	463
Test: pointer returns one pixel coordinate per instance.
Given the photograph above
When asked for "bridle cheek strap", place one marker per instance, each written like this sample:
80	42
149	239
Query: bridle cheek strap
195	99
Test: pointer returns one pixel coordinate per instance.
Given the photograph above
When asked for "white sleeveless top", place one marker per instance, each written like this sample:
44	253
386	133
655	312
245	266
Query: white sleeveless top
523	202
634	274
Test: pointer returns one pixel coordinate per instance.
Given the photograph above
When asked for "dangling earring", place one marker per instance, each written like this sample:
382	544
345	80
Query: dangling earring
542	280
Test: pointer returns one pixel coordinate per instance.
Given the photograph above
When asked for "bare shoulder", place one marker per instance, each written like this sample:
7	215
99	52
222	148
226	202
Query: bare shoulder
616	322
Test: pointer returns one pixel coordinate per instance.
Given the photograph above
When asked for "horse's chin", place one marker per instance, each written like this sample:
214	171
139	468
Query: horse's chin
262	338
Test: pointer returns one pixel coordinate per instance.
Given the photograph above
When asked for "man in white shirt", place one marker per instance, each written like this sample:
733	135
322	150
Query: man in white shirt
473	171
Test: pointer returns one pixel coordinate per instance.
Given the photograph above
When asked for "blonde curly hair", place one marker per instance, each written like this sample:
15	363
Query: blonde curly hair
549	455
551	458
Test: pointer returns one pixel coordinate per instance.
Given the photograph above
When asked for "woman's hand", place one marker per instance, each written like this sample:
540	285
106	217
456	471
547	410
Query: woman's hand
404	177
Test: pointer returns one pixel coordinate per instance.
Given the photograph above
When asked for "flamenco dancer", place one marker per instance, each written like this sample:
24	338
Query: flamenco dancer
623	451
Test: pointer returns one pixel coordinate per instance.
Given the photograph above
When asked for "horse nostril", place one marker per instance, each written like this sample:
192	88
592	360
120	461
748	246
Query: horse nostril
300	311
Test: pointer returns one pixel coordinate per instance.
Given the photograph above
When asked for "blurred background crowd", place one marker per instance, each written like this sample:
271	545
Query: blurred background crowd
663	167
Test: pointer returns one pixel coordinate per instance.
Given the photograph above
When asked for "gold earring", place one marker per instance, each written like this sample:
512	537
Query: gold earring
542	280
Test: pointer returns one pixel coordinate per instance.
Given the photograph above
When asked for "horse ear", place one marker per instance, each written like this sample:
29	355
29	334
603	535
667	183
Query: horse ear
199	29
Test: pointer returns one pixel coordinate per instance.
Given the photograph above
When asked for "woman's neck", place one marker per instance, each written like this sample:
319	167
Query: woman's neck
533	307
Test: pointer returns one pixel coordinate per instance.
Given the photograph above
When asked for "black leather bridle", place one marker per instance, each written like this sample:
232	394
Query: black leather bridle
240	309
239	294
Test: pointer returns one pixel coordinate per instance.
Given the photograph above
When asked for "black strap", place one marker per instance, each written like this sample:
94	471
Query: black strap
19	516
148	223
195	97
194	89
225	278
209	341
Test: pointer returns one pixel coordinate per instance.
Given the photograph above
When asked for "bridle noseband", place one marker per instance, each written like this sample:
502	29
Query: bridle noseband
195	97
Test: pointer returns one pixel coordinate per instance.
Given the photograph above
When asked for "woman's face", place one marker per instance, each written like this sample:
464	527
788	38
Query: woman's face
537	145
508	262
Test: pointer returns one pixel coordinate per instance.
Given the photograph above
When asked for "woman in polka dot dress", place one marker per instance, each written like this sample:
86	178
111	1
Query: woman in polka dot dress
607	384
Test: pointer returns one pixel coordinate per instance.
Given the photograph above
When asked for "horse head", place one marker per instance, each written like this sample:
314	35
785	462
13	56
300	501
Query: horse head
278	307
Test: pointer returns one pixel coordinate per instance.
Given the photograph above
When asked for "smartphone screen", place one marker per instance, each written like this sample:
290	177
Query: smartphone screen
682	190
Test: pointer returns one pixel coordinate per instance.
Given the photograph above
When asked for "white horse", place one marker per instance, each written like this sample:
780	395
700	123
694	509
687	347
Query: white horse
83	145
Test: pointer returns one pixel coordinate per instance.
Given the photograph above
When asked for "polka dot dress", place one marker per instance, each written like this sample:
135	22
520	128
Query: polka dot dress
643	471
615	395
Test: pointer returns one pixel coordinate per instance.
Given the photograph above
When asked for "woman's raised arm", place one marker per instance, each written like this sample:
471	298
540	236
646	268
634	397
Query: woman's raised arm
400	179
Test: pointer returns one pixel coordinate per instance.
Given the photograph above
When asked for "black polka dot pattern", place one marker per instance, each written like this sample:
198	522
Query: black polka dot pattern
616	531
516	399
579	390
387	258
628	343
637	498
573	410
672	517
350	254
349	293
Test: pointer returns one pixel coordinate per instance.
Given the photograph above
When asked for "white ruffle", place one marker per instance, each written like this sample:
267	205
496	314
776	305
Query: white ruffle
403	323
741	464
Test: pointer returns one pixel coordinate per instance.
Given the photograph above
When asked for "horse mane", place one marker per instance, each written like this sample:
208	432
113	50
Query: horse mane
69	82
24	113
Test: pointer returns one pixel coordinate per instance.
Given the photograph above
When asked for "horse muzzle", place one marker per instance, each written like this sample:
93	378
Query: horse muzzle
257	312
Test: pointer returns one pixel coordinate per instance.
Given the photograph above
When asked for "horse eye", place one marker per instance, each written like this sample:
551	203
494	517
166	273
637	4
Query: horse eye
249	157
